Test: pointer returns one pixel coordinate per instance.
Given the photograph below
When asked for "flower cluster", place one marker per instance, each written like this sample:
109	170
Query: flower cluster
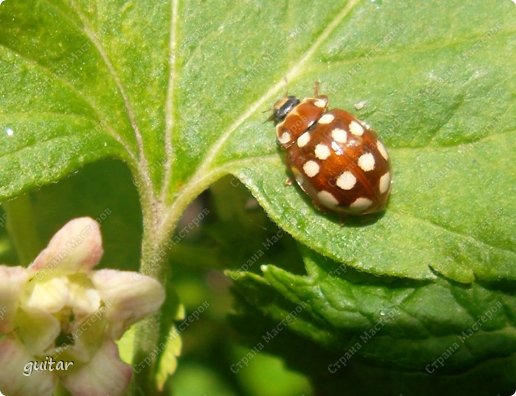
60	310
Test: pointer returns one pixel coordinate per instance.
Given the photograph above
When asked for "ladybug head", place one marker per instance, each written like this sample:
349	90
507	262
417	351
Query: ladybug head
282	107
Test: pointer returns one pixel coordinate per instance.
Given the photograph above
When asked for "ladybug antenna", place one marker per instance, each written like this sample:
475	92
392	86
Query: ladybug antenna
270	118
286	85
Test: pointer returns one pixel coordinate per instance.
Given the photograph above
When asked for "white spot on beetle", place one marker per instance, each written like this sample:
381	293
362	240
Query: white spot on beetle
311	168
339	135
326	119
322	151
346	181
366	162
355	128
303	139
384	183
321	103
327	199
360	204
284	138
382	150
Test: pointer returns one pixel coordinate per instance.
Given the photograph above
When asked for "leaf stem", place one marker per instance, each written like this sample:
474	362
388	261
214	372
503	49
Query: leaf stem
159	222
155	251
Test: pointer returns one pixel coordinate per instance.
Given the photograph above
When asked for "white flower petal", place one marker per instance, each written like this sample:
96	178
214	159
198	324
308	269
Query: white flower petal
88	338
129	296
38	331
14	360
75	247
12	282
84	299
50	295
105	374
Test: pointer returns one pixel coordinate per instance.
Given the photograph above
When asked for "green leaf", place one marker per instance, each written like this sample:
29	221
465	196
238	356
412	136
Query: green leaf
171	344
178	96
447	122
433	328
176	91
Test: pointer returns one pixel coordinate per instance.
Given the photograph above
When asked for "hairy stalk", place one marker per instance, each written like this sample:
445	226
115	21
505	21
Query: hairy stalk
154	259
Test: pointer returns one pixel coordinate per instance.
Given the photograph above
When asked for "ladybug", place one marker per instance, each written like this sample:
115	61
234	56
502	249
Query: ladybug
335	158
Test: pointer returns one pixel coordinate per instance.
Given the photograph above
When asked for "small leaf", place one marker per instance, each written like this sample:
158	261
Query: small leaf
168	359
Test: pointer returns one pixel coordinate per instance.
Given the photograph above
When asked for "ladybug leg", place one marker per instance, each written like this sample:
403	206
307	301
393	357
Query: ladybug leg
288	182
318	206
317	84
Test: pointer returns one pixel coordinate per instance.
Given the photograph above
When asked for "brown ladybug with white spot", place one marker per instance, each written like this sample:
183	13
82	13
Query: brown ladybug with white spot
335	158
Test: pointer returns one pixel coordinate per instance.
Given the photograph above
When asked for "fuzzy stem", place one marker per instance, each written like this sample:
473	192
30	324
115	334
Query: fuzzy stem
155	251
159	222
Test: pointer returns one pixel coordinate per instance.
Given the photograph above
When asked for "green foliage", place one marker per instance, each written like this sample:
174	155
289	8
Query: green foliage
176	91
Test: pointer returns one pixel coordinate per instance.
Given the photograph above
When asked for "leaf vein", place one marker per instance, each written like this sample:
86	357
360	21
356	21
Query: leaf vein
451	231
90	34
439	147
193	184
169	112
395	55
88	101
453	109
38	142
50	114
294	71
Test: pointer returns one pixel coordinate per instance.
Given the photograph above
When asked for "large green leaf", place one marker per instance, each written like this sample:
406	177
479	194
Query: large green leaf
177	91
348	322
338	305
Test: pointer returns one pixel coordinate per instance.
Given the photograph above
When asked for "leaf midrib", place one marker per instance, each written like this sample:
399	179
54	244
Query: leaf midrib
170	103
194	186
